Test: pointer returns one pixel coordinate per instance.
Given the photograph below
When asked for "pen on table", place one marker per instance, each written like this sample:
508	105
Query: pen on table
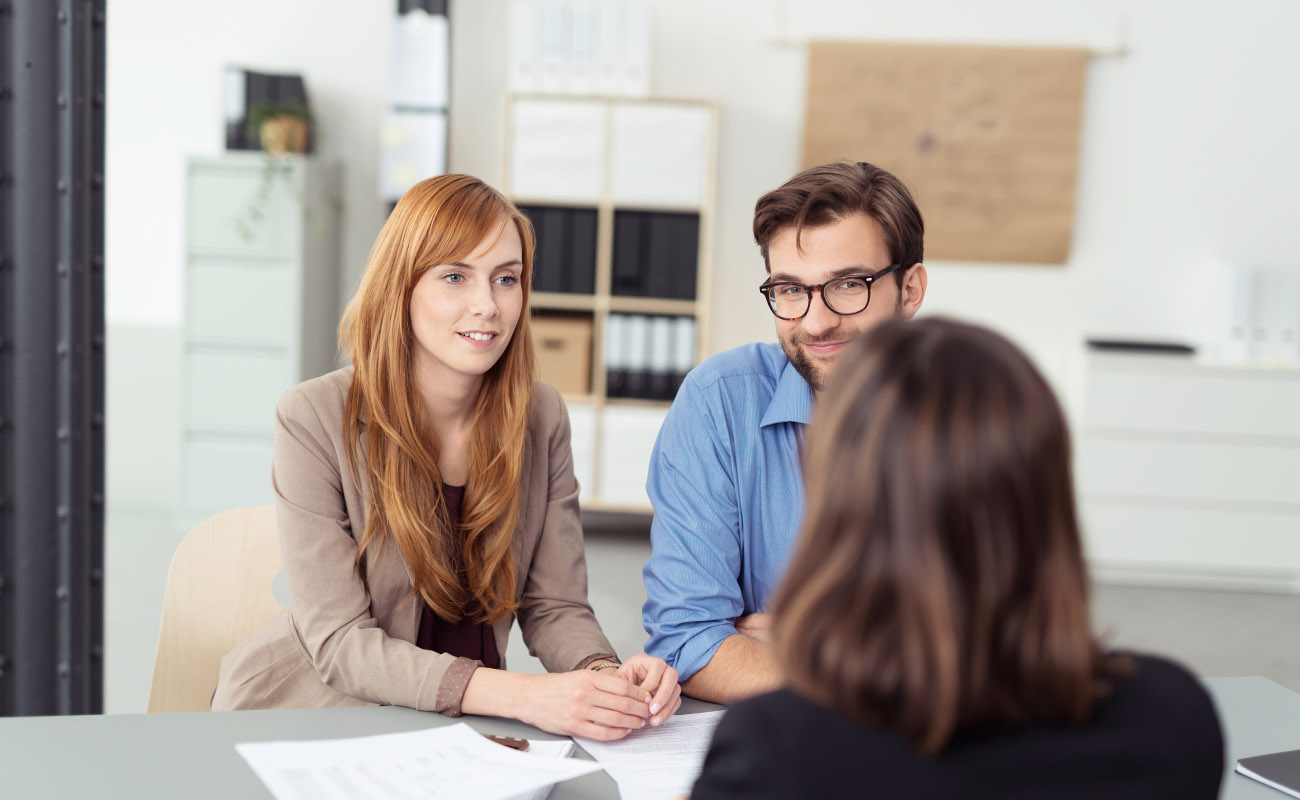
509	741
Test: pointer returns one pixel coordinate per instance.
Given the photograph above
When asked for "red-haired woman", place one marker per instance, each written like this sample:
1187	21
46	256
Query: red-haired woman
933	626
426	499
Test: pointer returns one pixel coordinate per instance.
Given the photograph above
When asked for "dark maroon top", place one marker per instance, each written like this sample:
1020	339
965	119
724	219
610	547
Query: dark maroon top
467	638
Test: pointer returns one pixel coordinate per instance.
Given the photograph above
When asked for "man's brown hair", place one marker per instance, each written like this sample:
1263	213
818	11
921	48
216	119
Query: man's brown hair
821	195
939	583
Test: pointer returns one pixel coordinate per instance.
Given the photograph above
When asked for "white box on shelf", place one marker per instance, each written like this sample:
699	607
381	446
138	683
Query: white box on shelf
1239	298
582	422
579	48
1275	316
629	438
557	150
631	34
678	136
523	71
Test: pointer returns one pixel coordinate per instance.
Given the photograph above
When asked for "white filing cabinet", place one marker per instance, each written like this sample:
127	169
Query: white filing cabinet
261	313
1189	473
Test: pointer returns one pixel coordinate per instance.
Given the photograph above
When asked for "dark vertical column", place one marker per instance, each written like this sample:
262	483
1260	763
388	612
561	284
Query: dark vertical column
51	356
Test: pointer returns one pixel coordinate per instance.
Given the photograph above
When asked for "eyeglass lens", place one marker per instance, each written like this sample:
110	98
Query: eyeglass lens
848	295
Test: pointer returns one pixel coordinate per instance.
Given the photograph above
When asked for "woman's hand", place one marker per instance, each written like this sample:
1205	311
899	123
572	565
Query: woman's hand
595	704
658	684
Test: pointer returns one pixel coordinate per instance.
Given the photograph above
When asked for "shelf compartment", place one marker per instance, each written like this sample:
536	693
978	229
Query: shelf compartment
655	254
563	346
565	261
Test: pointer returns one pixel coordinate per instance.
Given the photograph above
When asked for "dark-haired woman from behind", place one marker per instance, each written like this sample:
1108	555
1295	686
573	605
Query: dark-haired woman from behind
933	626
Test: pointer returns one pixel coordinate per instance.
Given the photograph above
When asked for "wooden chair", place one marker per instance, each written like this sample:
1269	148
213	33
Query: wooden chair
218	593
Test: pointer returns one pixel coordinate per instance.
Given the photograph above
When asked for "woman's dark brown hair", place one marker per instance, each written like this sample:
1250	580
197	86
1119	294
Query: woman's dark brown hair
939	583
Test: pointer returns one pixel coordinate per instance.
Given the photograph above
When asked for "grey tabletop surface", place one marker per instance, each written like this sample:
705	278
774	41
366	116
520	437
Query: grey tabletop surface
192	755
1259	717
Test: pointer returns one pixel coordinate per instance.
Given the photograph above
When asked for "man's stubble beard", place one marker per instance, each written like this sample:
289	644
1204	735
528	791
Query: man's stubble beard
802	363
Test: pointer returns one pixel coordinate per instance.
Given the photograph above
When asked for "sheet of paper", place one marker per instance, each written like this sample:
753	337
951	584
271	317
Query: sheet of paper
447	762
657	763
562	748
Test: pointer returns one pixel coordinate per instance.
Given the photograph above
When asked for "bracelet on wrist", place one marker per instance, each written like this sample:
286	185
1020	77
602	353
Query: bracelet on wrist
599	665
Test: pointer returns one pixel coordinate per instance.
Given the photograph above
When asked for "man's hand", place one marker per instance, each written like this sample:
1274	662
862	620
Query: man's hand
658	681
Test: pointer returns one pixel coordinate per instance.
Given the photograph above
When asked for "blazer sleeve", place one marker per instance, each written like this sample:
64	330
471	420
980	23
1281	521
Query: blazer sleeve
555	618
330	611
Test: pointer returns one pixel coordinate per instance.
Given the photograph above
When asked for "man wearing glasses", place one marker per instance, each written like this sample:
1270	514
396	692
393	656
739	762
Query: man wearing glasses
842	244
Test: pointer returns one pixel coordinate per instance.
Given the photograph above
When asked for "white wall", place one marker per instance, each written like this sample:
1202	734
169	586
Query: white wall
1188	163
164	85
164	89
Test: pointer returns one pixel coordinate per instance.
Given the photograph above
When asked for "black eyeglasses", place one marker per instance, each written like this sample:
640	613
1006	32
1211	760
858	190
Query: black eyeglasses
845	296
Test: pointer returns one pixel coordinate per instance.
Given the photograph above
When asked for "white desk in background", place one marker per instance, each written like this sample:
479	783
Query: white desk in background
192	755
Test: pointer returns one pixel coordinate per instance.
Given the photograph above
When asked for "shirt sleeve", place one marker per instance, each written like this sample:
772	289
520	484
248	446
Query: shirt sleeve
330	614
692	580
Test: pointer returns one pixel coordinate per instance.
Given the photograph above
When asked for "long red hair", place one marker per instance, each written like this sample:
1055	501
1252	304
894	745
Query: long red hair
439	221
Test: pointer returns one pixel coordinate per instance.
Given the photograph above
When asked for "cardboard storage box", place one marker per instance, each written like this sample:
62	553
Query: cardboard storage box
563	346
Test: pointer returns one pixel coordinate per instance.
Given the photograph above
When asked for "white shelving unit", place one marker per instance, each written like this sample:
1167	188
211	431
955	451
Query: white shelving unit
261	309
1189	473
615	154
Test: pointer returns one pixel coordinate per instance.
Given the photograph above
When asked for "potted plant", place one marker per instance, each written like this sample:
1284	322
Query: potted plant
281	127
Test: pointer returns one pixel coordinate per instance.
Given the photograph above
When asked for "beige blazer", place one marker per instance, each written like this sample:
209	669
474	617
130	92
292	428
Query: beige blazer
345	641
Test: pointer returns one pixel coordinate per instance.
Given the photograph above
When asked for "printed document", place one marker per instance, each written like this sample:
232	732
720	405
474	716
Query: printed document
657	763
448	762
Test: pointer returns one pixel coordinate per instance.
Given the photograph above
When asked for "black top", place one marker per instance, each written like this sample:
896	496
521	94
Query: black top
1155	736
465	638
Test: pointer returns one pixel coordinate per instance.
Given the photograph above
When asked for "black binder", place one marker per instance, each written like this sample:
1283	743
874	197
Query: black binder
655	254
565	260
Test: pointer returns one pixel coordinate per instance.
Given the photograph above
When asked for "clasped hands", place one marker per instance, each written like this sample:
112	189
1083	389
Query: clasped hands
607	704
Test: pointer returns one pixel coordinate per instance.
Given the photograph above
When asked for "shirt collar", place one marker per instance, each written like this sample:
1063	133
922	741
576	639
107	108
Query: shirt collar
792	400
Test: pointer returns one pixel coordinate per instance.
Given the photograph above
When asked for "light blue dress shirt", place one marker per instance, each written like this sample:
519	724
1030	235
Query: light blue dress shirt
727	491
